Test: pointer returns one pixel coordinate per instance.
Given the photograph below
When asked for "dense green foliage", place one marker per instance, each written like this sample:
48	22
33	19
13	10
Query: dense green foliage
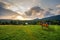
30	22
29	32
17	22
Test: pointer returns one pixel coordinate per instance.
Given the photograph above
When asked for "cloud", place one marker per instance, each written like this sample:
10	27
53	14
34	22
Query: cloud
48	14
5	13
57	12
38	12
25	8
9	14
58	6
5	5
21	5
2	4
32	13
34	10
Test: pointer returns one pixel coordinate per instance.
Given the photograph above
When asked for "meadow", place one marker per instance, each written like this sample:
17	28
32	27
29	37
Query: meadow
29	32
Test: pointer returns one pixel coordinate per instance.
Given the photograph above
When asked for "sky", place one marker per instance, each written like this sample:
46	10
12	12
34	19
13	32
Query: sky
27	9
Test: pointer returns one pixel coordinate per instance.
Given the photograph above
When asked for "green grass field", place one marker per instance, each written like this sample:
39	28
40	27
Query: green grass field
29	32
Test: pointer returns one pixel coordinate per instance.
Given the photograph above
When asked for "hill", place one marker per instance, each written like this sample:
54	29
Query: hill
56	17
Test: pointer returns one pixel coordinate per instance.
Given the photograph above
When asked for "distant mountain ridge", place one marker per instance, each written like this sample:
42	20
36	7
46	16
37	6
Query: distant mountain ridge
56	17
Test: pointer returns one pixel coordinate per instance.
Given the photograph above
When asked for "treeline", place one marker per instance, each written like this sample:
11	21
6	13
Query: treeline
29	22
17	22
51	22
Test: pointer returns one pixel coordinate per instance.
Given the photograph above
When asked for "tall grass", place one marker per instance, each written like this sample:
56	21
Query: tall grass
29	32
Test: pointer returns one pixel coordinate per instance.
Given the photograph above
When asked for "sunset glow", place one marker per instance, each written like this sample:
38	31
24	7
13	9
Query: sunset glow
22	18
23	9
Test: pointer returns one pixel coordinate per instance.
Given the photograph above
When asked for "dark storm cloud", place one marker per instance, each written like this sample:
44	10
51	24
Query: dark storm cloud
48	14
2	4
5	12
40	12
34	10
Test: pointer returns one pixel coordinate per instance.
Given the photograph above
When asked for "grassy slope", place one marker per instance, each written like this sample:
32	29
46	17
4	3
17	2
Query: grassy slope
29	32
